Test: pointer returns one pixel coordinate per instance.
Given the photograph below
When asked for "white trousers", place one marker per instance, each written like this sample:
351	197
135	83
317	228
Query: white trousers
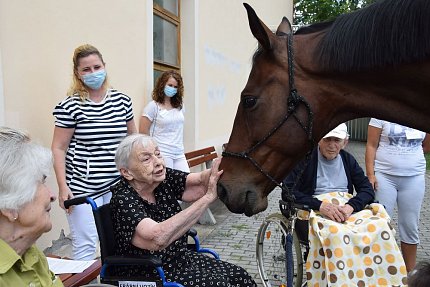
407	193
83	229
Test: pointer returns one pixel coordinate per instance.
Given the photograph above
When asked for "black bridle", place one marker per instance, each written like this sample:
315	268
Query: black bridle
293	102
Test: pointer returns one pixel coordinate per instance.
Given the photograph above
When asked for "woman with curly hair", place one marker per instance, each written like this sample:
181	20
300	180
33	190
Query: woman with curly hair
163	119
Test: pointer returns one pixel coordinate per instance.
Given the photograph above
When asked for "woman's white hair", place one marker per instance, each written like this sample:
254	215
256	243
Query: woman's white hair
23	164
126	146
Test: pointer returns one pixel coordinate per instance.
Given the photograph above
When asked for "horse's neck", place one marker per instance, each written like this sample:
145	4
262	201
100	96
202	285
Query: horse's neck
398	94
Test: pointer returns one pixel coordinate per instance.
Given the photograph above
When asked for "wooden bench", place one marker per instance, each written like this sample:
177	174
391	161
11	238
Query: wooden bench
198	157
204	157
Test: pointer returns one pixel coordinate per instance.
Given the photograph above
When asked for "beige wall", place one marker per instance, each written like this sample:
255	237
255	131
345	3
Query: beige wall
223	49
37	39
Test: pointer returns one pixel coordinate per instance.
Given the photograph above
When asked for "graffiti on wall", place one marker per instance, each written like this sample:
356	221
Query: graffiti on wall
217	93
216	58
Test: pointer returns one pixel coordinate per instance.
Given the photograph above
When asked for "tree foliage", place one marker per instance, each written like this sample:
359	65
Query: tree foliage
314	11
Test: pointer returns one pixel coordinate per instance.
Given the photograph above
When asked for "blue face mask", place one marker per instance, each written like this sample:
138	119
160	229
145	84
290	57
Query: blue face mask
94	80
170	91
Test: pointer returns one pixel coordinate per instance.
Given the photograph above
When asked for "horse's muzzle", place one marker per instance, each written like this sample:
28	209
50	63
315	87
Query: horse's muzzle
242	201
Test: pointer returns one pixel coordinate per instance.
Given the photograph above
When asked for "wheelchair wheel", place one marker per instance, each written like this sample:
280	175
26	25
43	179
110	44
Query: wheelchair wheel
271	256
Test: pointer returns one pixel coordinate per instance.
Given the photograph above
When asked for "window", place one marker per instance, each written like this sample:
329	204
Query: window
166	36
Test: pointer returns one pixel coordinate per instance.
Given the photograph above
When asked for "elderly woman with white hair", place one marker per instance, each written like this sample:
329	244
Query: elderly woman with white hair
25	202
148	218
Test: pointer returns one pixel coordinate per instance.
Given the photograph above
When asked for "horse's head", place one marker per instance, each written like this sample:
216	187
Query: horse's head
264	144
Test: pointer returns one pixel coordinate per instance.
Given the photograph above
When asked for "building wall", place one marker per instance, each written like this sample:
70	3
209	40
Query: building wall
37	40
223	47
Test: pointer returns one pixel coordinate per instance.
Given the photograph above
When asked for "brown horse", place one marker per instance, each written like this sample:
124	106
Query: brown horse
374	62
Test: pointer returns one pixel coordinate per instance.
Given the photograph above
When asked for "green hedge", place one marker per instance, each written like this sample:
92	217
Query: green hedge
427	155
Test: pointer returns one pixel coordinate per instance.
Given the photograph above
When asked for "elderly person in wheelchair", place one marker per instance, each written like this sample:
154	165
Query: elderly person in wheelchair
25	204
351	241
148	219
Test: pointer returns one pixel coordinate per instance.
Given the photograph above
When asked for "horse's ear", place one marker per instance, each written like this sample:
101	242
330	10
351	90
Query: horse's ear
284	28
258	29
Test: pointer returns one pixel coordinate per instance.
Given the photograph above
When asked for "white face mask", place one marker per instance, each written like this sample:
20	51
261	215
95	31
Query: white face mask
170	91
94	80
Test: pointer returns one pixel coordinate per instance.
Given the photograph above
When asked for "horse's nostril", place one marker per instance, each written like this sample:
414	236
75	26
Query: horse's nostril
222	192
251	197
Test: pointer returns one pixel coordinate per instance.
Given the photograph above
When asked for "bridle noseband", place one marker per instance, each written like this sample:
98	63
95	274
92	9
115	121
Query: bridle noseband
293	102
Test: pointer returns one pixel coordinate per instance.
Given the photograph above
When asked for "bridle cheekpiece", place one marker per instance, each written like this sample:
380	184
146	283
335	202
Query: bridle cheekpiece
293	102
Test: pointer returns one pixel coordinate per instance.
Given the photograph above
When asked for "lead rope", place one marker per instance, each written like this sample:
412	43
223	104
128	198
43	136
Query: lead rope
292	102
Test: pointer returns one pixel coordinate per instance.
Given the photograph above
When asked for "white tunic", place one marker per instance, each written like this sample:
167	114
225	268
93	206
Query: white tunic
167	128
400	150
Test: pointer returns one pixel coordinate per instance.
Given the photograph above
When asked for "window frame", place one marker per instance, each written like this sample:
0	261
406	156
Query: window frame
175	20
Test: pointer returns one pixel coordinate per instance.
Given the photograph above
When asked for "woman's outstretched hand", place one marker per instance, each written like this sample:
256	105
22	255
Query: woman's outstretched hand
213	179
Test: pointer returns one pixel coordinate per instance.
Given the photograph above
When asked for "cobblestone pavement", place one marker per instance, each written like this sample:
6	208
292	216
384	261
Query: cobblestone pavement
234	235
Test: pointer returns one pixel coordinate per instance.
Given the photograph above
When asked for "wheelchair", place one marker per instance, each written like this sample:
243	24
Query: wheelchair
104	225
282	247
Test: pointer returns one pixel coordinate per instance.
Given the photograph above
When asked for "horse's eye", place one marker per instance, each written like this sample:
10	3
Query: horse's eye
249	102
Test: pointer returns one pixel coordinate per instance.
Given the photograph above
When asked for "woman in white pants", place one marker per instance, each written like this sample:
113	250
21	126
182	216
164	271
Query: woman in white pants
395	166
89	125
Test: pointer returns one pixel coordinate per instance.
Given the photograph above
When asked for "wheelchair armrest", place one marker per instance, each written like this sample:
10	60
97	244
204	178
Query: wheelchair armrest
209	251
288	209
126	260
193	233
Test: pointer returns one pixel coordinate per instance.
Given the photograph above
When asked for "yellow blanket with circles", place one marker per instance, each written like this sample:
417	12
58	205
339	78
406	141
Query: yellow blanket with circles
362	251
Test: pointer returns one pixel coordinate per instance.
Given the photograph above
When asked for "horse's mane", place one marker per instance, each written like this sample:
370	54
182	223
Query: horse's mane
317	27
385	33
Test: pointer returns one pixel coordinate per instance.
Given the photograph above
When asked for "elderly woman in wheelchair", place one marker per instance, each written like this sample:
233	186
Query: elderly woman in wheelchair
350	239
148	219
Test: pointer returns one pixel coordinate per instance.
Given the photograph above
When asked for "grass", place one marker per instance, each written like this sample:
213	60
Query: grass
240	226
427	155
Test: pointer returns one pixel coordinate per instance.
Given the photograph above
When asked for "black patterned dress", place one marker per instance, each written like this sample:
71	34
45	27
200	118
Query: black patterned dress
180	264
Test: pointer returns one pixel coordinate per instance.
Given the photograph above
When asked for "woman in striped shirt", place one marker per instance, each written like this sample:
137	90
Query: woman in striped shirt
89	124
